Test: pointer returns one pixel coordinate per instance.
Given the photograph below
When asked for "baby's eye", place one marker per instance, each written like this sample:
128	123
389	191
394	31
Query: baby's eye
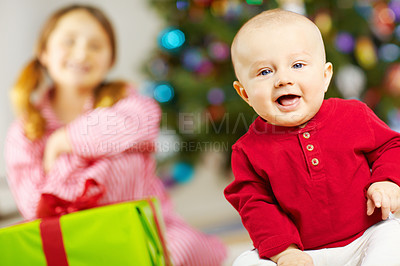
298	65
265	72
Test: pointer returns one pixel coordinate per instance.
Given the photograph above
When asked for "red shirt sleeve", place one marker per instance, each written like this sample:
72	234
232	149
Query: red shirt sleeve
271	230
384	153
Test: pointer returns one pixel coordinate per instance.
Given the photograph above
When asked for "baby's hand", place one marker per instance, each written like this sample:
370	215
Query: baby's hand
293	257
384	195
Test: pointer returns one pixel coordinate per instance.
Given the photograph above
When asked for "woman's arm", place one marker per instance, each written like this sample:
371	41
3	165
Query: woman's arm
24	169
128	124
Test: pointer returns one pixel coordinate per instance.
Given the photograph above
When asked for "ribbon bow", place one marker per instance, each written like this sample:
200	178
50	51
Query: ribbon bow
51	205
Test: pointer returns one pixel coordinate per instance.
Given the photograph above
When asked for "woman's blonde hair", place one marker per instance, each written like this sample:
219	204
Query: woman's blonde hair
33	75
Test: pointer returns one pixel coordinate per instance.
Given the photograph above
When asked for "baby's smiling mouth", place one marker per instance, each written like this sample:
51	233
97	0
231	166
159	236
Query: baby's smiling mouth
288	100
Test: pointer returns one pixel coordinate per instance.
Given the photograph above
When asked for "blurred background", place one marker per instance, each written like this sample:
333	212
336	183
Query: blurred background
177	51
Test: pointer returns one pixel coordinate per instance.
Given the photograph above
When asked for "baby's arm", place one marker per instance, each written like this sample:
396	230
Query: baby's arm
292	256
384	195
269	227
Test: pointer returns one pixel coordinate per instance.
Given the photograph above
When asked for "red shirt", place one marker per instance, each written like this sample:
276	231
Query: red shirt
306	186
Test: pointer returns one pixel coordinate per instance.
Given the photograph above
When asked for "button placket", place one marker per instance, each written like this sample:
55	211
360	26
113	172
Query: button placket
312	153
306	135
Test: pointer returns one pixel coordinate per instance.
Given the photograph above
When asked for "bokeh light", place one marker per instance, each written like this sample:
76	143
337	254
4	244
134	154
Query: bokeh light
389	52
216	96
344	42
394	5
182	4
182	172
397	32
219	51
192	59
163	92
171	39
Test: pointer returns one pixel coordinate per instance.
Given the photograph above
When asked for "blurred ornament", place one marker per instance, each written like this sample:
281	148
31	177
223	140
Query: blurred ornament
196	13
394	5
203	3
205	68
254	2
365	53
372	97
394	119
171	39
167	179
392	79
219	7
234	10
182	4
163	92
192	59
397	32
389	52
216	112
350	81
323	20
216	96
219	51
158	67
296	6
383	19
182	172
167	144
147	88
344	42
364	9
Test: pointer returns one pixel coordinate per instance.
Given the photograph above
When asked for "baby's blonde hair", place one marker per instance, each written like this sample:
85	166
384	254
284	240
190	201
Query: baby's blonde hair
272	18
33	75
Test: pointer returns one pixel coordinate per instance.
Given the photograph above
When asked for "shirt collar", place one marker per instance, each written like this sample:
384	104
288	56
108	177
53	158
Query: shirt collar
48	113
260	126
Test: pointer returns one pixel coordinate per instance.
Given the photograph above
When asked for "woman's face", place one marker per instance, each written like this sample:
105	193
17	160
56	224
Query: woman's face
78	52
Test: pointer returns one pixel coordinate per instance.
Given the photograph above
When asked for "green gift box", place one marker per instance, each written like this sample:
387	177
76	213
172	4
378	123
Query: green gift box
128	233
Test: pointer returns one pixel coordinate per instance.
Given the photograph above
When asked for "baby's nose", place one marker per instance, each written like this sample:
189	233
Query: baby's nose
283	79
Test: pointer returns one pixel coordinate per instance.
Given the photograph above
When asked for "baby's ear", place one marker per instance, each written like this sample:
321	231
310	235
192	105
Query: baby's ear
241	91
328	72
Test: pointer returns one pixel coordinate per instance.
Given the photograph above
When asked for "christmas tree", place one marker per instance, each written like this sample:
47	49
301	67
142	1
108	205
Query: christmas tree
191	73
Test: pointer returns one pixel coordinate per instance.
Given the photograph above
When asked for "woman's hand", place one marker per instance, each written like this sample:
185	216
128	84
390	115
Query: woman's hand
56	144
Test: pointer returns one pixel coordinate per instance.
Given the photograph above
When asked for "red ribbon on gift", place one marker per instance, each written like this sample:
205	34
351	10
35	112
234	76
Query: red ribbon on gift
51	205
50	208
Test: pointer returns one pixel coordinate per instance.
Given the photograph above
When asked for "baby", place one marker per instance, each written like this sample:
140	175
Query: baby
315	180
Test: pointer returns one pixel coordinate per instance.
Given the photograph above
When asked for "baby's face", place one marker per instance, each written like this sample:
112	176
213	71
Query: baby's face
282	71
